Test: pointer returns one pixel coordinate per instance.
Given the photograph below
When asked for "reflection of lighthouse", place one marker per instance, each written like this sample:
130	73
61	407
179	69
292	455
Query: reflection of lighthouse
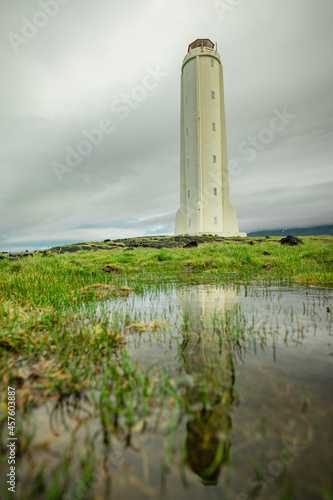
205	301
207	439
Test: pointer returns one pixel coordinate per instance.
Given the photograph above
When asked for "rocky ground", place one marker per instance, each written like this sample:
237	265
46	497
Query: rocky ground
157	242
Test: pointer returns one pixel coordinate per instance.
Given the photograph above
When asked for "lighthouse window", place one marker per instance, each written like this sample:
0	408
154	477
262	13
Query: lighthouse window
212	62
213	127
188	194
214	158
185	100
187	162
213	94
187	131
215	191
215	220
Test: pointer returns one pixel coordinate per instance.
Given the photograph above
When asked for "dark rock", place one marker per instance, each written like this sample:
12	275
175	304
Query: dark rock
159	258
291	240
105	241
266	253
1	257
191	244
250	243
266	236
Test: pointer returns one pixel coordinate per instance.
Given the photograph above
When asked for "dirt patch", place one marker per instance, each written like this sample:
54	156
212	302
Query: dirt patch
111	269
268	265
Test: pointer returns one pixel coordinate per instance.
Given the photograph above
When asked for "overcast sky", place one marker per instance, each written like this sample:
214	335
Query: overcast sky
73	66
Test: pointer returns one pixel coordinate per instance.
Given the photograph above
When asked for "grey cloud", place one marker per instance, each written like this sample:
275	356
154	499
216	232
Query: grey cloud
67	77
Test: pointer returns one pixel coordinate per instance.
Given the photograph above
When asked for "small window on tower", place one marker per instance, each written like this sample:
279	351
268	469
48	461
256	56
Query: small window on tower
215	220
187	131
213	94
187	162
212	62
214	158
213	127
189	223
215	191
185	100
188	194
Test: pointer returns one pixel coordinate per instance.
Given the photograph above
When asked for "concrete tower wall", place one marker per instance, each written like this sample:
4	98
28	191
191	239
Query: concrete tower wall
191	137
211	144
204	178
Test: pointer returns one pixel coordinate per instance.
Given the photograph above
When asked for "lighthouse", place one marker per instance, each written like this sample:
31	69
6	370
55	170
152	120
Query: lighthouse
205	206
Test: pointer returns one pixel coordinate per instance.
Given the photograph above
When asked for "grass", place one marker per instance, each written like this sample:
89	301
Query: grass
45	278
49	323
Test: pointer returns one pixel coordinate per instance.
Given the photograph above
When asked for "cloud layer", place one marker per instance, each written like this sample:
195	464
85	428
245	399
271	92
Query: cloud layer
93	63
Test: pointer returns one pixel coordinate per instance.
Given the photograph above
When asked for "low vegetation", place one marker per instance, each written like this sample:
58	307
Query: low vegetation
41	294
54	345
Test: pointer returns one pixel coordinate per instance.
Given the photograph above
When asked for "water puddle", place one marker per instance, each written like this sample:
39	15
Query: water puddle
245	379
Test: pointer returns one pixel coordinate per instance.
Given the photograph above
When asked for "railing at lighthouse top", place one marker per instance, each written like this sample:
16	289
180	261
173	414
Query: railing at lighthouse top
201	51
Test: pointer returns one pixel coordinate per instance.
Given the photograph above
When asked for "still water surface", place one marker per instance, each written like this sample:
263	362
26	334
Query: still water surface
254	365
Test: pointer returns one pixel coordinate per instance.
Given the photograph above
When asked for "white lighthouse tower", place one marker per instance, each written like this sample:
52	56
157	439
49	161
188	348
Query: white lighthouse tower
205	206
